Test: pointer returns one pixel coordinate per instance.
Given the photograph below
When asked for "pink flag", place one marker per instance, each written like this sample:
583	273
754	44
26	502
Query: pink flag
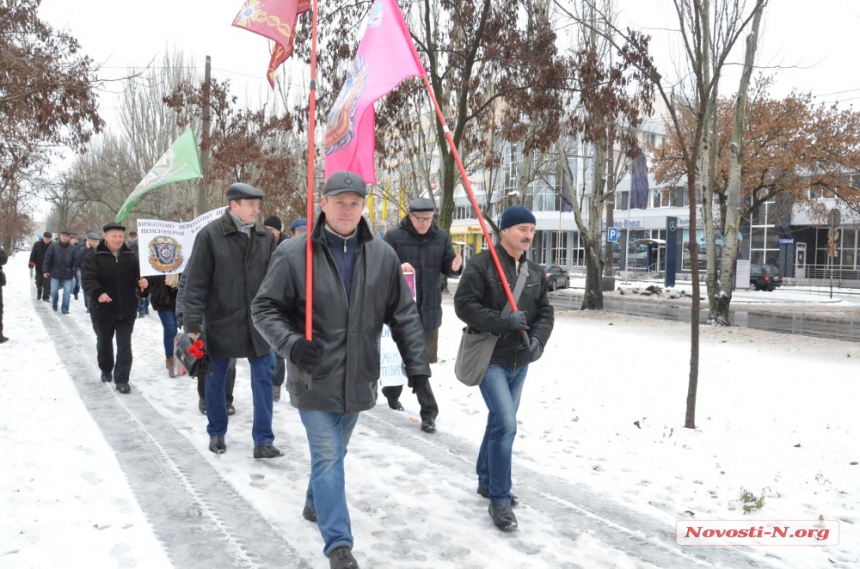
385	57
276	20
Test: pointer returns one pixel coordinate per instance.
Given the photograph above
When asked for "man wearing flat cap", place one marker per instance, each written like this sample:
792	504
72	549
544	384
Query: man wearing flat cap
111	279
425	250
228	263
298	226
357	287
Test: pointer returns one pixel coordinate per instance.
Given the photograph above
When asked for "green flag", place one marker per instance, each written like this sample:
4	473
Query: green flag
180	162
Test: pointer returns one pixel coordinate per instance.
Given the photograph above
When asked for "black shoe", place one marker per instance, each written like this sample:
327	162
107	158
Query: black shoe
230	409
54	306
309	515
503	516
267	451
515	501
65	311
428	425
217	445
201	405
3	339
123	388
141	315
341	558
395	404
276	392
76	296
107	378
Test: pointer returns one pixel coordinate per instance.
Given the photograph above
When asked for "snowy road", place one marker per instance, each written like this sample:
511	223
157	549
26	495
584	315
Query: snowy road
596	491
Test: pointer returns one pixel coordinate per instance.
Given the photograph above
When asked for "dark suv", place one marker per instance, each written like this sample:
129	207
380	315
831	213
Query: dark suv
764	277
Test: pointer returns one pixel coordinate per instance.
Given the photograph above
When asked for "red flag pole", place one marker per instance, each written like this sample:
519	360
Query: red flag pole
471	194
309	259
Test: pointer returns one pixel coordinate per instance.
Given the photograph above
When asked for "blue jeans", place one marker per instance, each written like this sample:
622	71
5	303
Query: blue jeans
328	437
261	389
143	306
77	282
278	367
168	322
501	389
67	285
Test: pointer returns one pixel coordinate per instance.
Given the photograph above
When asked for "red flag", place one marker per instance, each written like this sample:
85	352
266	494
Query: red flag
276	20
385	57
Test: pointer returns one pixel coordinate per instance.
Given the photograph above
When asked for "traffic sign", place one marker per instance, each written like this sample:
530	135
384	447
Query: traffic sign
612	234
785	240
834	218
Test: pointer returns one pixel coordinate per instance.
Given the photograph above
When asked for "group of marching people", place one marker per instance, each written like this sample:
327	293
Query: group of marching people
243	293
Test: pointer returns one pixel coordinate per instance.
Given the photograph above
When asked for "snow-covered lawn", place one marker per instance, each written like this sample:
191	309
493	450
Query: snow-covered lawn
603	464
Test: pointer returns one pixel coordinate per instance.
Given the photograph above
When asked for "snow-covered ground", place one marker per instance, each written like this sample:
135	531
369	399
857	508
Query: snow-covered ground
603	465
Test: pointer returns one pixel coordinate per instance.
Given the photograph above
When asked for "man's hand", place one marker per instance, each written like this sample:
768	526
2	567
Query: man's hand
456	263
418	382
517	321
535	349
194	336
105	298
142	283
407	268
46	275
306	354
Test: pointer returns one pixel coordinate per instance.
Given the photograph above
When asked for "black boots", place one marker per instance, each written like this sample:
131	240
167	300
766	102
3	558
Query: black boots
267	451
217	445
309	515
395	404
123	388
428	425
107	378
503	516
341	558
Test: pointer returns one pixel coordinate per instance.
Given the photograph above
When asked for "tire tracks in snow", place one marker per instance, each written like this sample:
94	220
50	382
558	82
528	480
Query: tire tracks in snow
194	512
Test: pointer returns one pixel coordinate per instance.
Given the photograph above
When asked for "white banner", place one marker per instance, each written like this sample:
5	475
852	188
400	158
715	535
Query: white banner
390	363
165	246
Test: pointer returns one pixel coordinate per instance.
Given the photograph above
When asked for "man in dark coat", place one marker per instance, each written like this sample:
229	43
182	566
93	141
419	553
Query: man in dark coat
37	259
358	287
227	265
480	302
59	266
3	259
111	278
426	251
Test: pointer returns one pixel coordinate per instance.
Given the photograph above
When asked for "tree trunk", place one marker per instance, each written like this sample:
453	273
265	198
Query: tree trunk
733	191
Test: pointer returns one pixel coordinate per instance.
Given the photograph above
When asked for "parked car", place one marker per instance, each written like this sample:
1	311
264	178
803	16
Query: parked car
556	277
764	277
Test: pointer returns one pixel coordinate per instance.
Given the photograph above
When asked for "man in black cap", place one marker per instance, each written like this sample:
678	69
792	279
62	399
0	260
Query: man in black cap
111	279
37	259
426	251
358	286
229	261
482	304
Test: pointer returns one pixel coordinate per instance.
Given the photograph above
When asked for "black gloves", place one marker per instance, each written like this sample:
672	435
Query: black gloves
418	382
306	354
517	321
535	349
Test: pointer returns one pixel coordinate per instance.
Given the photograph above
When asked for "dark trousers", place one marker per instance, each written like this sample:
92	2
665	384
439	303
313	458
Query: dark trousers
1	311
228	390
105	331
429	407
43	286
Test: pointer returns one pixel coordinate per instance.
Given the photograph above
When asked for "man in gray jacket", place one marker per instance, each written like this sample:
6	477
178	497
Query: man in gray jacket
230	258
357	287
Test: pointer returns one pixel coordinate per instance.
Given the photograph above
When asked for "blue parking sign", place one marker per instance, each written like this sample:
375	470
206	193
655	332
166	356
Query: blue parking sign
612	234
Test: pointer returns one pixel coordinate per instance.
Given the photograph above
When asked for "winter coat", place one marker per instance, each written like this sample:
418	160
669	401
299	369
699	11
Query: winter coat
81	251
430	255
37	255
60	261
480	299
224	275
3	258
161	295
349	328
116	275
